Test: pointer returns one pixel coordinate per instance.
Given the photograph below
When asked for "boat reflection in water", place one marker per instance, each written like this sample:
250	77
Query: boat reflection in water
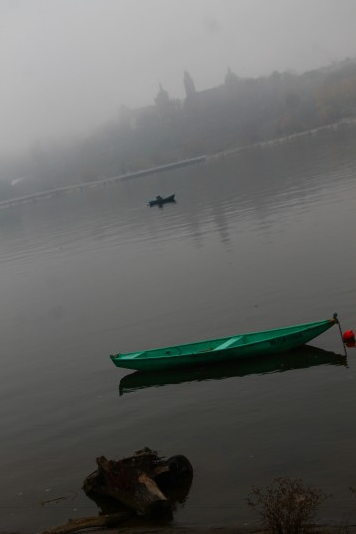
300	358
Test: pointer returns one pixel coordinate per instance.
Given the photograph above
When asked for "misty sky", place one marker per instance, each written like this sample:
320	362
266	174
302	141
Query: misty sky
68	65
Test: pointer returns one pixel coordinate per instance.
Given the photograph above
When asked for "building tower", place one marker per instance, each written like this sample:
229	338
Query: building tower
189	85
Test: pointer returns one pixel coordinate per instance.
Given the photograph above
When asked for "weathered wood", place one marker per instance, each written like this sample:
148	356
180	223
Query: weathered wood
131	481
137	482
73	525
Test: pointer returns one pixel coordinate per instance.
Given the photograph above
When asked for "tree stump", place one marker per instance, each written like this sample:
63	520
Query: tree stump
137	481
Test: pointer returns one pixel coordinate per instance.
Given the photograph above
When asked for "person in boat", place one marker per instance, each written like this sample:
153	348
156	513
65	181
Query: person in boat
159	198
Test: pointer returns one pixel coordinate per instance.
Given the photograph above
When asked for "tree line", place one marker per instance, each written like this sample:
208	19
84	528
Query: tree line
237	113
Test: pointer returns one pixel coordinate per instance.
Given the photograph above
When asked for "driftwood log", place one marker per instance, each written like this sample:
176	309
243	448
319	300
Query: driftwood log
100	521
140	482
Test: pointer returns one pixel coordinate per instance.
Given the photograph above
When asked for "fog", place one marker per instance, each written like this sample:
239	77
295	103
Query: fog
68	65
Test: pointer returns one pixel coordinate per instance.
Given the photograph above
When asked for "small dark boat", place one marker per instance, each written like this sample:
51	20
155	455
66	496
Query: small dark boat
159	201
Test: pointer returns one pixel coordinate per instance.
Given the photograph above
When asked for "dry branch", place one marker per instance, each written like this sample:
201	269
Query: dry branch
73	525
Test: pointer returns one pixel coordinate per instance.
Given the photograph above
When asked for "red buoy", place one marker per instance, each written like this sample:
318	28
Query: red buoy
348	338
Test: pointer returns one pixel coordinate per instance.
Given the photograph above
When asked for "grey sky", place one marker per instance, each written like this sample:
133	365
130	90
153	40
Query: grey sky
68	65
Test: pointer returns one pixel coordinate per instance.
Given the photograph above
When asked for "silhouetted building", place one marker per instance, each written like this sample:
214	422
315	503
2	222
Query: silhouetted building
139	117
189	85
231	80
162	98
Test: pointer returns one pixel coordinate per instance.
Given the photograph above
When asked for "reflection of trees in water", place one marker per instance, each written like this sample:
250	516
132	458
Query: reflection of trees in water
264	179
221	223
251	186
248	186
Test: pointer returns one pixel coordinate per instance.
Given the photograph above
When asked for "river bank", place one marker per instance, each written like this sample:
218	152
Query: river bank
232	529
275	141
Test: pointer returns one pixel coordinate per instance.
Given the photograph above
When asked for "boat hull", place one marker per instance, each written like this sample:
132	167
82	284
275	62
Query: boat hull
224	349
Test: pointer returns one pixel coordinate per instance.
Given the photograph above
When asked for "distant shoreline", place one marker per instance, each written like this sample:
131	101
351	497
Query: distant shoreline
351	121
61	191
238	528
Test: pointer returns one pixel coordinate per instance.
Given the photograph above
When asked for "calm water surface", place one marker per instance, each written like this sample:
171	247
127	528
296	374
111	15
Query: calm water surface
256	240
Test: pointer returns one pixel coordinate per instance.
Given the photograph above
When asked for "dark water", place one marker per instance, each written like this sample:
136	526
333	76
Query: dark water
259	239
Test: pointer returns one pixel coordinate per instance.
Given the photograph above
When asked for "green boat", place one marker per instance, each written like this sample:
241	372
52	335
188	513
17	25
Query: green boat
226	349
